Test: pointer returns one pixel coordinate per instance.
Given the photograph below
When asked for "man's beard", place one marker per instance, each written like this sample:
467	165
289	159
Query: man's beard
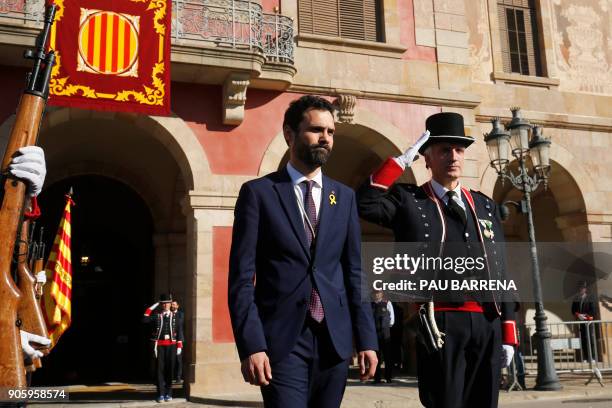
315	155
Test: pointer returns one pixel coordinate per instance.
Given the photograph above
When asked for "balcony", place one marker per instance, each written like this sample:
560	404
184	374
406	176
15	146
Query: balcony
212	40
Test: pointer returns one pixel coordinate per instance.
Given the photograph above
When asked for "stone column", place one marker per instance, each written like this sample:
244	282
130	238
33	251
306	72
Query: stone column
212	368
160	245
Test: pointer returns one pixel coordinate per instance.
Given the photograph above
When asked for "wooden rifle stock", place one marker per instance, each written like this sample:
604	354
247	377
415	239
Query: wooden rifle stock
24	133
29	310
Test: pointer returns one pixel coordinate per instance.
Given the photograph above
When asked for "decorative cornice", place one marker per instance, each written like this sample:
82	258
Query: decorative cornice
560	121
425	96
330	43
513	78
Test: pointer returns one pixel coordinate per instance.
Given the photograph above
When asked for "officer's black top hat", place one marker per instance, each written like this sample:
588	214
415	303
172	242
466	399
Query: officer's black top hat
165	298
446	127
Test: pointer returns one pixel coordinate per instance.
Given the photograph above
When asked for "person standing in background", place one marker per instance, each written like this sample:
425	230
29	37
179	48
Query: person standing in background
384	317
584	310
167	338
180	321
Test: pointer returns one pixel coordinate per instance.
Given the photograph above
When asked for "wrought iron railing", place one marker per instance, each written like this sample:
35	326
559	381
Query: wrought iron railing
234	24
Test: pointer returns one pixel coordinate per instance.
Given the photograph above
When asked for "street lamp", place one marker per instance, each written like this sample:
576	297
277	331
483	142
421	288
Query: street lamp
516	140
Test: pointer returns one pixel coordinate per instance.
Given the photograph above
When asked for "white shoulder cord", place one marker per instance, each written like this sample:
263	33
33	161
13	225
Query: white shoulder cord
434	326
430	305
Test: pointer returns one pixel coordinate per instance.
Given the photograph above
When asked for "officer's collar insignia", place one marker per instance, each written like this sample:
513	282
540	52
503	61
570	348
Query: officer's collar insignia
487	225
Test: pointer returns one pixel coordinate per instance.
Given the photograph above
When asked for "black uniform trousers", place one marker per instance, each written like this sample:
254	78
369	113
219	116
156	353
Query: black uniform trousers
384	353
179	367
465	373
166	355
311	376
586	339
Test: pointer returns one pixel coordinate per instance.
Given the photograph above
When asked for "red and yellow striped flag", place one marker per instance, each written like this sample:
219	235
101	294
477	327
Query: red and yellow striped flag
56	302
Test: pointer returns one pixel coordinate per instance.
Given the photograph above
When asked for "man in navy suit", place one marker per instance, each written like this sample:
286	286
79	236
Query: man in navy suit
295	273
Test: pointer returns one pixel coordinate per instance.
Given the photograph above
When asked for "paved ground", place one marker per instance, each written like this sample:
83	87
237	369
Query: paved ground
402	393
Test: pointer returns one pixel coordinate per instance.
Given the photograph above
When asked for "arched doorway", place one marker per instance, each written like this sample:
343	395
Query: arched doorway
131	176
112	261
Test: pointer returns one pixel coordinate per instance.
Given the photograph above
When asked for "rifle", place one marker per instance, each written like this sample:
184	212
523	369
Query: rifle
29	311
24	133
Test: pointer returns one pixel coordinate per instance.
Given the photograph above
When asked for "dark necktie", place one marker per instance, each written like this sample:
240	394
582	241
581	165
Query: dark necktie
315	307
455	208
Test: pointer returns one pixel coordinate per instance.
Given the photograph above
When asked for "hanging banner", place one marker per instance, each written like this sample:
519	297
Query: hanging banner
112	55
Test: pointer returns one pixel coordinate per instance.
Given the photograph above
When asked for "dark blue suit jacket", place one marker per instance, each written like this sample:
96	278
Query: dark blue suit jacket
271	269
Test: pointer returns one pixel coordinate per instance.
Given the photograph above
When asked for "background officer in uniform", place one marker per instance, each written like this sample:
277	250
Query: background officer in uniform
384	318
167	337
465	372
583	309
180	321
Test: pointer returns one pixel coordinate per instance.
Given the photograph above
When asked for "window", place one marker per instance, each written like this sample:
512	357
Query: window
354	19
519	37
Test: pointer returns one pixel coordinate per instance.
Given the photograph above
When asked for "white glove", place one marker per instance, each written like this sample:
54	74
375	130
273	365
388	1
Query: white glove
581	316
410	155
507	354
30	167
26	338
41	277
154	306
179	351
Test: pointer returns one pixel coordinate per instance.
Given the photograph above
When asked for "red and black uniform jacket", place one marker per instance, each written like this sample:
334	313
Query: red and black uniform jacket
415	215
175	332
584	306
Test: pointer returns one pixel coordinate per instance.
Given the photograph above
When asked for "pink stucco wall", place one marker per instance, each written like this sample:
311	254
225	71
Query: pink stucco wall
268	5
231	149
407	35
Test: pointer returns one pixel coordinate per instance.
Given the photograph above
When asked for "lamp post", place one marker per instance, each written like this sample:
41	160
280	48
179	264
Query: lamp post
500	144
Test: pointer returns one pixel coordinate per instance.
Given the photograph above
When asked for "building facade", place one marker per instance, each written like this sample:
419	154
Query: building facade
164	188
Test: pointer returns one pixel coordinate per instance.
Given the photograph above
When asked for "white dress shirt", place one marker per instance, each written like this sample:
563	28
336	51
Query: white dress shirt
317	187
441	191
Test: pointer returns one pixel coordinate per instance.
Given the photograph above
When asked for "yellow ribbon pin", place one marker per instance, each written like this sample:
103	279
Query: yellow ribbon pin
332	199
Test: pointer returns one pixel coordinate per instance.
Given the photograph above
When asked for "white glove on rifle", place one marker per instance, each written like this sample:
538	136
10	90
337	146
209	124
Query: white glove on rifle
30	351
507	355
410	155
30	167
41	277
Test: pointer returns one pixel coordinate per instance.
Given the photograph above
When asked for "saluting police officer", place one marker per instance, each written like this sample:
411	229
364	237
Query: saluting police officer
465	372
167	338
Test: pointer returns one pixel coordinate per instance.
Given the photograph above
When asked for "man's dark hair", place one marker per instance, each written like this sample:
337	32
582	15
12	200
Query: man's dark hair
295	112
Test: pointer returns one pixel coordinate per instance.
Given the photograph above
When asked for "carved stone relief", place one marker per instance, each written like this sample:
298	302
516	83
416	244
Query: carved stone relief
479	40
583	44
346	108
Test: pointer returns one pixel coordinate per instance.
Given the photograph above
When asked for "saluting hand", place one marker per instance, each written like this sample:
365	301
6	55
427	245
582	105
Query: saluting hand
367	364
411	155
256	369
